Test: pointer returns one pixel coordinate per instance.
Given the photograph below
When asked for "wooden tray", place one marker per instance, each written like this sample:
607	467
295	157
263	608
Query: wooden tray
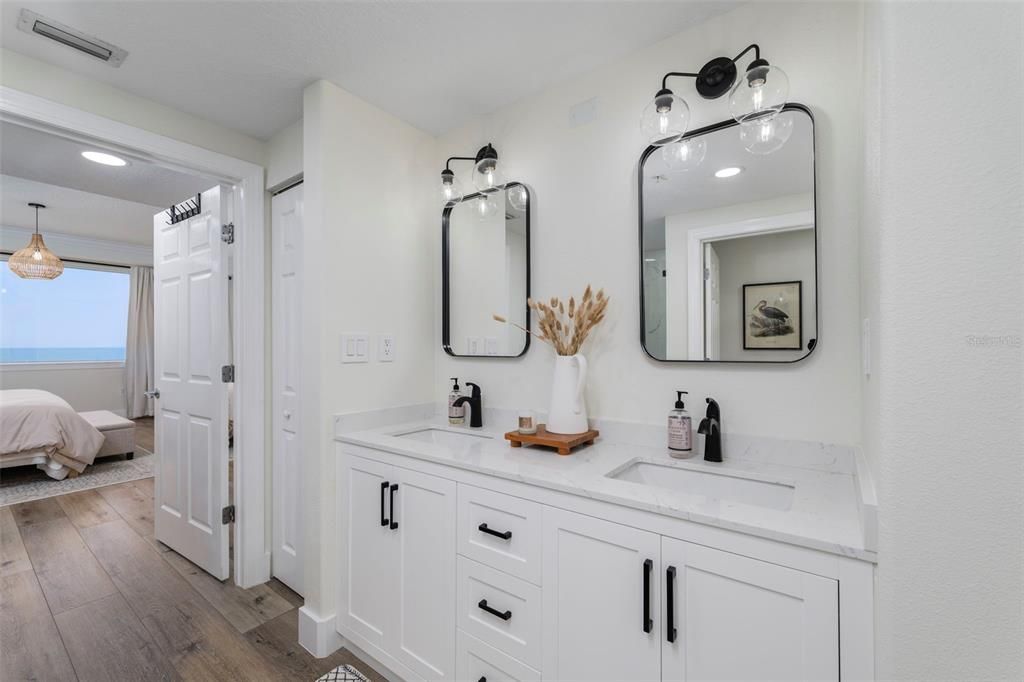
564	443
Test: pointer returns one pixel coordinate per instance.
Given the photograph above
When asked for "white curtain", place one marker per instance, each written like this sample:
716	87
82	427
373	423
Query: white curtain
138	364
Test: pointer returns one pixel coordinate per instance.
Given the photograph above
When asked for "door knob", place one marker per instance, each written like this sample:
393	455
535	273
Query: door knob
155	393
287	414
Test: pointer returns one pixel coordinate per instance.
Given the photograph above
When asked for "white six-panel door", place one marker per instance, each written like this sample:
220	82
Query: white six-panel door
191	413
286	228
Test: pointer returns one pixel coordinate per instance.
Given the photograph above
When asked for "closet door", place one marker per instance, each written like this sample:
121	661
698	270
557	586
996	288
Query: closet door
730	617
286	228
369	600
425	513
601	599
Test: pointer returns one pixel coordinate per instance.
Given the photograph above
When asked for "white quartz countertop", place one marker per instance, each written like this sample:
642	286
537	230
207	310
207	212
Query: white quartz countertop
825	513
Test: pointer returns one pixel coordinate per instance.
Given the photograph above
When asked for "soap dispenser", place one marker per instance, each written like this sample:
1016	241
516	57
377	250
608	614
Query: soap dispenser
680	429
456	413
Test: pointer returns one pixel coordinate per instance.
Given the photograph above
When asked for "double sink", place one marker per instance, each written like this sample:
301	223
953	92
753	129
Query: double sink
690	479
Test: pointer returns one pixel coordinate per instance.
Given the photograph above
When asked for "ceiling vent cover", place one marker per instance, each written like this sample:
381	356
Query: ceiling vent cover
30	22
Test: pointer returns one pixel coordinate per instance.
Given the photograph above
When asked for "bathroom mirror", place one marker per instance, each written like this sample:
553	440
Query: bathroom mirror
728	246
486	272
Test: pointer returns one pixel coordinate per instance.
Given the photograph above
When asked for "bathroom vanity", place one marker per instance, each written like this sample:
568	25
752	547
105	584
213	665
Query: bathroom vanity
462	558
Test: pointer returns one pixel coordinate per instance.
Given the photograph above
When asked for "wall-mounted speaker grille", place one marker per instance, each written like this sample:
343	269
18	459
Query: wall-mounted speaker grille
36	24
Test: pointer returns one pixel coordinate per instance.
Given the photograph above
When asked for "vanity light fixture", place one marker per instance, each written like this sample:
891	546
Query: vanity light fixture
731	171
486	174
104	158
758	96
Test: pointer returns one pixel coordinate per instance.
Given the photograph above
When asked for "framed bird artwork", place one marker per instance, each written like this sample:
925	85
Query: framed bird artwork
772	316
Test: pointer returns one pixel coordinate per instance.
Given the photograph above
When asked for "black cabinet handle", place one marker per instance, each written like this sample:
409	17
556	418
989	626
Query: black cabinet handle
507	615
383	489
394	523
507	535
670	617
648	623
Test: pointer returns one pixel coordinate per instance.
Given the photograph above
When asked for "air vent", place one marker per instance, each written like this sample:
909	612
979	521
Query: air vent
30	22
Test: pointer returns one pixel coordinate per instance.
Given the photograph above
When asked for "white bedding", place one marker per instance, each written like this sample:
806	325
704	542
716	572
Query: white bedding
34	422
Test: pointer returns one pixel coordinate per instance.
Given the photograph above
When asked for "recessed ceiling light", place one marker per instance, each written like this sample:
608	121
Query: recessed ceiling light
105	159
728	172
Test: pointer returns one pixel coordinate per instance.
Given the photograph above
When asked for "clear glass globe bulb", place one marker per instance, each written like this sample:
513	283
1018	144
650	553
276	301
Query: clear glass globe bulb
451	191
665	118
487	175
485	206
685	155
762	90
517	197
766	135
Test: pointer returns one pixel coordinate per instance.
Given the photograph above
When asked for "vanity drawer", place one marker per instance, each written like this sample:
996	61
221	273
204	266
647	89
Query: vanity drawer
479	662
500	610
500	531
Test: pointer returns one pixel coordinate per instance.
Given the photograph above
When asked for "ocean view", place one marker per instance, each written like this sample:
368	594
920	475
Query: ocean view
61	354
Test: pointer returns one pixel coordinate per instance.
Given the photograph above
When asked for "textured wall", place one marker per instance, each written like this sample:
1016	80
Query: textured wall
950	305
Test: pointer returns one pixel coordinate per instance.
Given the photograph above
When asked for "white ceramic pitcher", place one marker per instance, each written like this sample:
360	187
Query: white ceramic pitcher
568	411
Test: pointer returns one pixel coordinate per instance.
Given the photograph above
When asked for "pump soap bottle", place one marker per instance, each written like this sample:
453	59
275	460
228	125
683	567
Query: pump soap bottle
456	413
680	429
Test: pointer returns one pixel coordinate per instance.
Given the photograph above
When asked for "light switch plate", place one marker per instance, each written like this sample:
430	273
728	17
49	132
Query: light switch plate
355	348
386	348
473	344
491	345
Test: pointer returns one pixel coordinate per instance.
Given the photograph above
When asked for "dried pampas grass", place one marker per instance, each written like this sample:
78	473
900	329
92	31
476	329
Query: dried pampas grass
564	327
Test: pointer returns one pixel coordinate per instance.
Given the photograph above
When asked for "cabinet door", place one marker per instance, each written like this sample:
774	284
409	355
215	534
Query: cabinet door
600	600
425	631
369	600
737	618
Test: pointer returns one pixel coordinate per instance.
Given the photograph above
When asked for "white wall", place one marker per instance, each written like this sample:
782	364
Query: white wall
50	82
948	253
284	156
367	261
584	225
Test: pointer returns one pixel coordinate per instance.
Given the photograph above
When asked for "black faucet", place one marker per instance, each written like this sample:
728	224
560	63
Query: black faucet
476	417
711	427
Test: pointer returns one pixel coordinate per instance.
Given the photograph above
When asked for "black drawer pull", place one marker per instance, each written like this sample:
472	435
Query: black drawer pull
648	623
507	615
394	523
383	489
670	591
507	535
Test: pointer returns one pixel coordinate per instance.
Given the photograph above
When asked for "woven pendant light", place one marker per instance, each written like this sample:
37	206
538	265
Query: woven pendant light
35	261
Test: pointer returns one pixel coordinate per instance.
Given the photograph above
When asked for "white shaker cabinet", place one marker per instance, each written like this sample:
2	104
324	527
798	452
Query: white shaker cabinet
601	596
729	617
400	564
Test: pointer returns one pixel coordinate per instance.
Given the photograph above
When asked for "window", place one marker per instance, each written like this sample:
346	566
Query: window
82	316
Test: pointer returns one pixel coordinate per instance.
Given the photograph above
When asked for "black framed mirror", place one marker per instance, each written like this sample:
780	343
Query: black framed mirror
485	255
729	243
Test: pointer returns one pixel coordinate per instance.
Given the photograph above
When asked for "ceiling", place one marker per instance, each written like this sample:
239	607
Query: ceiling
787	171
35	155
70	211
433	64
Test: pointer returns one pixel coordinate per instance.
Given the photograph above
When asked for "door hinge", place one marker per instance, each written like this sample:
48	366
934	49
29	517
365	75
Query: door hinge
227	515
227	233
227	374
707	274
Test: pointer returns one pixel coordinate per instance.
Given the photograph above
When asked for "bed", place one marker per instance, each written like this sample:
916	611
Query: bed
40	428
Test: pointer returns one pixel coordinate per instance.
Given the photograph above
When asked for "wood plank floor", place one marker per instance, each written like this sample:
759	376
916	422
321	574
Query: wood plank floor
87	593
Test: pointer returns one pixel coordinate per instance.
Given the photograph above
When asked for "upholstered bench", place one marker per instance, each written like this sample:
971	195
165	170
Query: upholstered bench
118	432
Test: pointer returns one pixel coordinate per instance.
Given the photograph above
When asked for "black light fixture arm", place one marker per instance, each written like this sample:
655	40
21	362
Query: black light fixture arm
457	158
717	76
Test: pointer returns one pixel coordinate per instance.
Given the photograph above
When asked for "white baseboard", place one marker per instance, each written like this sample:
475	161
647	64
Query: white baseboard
317	635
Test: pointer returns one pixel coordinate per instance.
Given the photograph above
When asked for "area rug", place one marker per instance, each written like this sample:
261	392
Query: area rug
343	673
24	484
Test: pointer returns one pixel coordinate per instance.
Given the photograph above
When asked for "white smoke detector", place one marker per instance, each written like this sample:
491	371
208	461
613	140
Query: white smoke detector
30	22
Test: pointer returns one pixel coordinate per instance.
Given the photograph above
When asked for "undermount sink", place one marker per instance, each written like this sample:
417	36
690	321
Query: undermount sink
727	487
444	437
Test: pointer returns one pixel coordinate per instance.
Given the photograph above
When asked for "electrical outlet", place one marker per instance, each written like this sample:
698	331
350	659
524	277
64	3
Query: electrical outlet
473	344
355	348
491	345
386	348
